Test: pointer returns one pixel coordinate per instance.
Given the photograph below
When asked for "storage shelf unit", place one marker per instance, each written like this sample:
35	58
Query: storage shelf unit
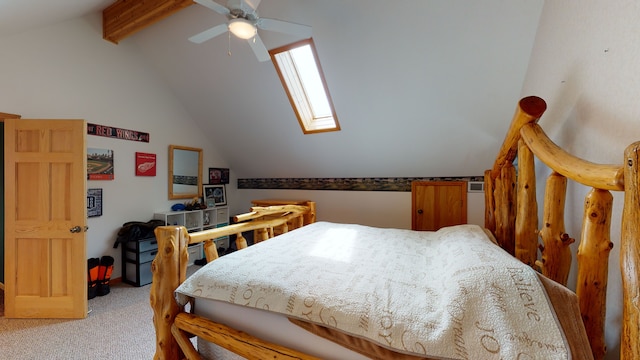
198	220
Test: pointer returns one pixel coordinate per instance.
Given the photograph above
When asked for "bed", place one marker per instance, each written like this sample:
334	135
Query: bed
534	261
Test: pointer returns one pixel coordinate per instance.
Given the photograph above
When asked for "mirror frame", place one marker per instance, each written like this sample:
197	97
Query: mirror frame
170	180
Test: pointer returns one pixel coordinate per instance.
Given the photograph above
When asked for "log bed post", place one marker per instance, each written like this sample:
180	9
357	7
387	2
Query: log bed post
489	203
556	254
241	242
593	266
505	211
630	256
169	270
527	212
310	216
528	111
210	250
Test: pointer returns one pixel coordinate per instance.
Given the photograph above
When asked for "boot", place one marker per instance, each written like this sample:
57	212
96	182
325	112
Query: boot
92	277
104	275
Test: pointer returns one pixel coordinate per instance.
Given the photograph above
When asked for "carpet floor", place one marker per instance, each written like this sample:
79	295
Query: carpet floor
119	326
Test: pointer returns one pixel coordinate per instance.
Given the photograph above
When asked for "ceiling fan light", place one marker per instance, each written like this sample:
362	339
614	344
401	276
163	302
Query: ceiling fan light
242	28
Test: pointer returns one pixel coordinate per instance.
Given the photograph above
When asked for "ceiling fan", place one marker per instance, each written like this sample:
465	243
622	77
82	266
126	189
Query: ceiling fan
244	23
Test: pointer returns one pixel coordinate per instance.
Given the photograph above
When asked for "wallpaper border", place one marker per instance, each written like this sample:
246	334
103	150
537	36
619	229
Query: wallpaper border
344	184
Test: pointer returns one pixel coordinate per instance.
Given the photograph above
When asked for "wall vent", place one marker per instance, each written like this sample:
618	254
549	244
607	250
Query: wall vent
475	186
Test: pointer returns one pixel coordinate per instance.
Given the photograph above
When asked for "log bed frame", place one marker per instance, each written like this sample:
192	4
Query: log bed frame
511	214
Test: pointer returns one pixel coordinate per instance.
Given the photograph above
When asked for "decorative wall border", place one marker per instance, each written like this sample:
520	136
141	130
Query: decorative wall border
344	184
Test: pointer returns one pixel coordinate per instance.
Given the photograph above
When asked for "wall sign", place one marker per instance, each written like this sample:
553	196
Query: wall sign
118	133
145	164
94	202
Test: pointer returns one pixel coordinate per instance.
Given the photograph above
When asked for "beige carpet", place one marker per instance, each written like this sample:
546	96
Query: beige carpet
119	326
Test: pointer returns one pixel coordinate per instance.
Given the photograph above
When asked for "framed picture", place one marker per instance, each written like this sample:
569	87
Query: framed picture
94	202
145	164
214	195
99	164
218	176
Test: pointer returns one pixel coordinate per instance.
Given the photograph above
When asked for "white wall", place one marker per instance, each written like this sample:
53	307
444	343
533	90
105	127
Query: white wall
68	71
373	208
585	65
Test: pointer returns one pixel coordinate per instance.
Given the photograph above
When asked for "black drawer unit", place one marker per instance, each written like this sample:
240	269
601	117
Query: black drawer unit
136	261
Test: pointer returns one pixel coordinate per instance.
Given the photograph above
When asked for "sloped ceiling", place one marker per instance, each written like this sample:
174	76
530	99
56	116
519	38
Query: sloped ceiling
420	87
21	15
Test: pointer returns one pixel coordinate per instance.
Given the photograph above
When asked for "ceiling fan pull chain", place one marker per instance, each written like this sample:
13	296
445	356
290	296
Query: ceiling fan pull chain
229	44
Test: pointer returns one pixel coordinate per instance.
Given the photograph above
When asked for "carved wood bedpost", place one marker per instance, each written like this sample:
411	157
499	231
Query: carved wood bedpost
169	270
630	256
310	217
556	254
527	213
528	111
593	266
489	203
505	211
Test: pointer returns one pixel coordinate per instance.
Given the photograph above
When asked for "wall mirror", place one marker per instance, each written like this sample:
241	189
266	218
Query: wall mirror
185	172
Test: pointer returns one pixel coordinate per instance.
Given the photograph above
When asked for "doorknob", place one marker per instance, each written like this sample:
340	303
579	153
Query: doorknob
75	229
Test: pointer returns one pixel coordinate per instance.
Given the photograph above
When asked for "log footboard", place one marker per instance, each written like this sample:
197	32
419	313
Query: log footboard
169	270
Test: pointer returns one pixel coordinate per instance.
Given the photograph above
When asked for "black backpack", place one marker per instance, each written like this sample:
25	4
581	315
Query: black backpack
137	230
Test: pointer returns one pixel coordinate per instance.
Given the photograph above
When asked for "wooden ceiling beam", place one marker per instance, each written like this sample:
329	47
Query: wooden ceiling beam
125	17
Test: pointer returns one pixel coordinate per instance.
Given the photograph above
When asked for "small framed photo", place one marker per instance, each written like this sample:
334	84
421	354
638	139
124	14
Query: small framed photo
218	176
214	195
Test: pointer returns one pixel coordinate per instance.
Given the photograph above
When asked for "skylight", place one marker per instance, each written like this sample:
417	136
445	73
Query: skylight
301	75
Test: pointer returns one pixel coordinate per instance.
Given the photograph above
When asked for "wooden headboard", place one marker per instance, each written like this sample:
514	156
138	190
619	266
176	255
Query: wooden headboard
511	213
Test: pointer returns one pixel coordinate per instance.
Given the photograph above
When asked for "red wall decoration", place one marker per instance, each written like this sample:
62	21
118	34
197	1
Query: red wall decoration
145	164
117	133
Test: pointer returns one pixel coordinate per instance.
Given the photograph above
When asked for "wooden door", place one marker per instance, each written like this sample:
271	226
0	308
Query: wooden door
2	117
435	204
45	218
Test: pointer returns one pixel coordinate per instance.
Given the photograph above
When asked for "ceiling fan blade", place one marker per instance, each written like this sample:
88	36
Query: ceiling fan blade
209	34
303	31
214	6
258	48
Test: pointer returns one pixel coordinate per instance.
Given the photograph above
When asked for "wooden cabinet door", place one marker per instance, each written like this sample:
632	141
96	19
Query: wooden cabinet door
435	204
45	218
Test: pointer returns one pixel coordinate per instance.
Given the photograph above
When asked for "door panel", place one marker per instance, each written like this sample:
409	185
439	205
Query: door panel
45	196
2	117
436	204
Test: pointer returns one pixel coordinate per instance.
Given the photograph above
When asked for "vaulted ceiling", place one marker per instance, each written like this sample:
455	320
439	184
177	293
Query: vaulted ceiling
420	87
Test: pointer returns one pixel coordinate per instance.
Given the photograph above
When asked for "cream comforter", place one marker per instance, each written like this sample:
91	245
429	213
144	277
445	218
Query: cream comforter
450	294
